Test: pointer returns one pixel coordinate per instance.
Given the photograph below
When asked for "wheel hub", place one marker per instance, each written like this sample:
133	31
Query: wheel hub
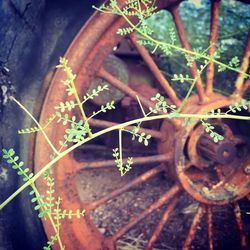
212	173
222	152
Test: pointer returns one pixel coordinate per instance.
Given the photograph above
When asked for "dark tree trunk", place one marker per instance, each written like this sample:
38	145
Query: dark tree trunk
33	34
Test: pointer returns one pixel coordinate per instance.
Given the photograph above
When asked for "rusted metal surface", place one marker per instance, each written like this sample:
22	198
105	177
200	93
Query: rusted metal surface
185	44
212	44
239	85
143	178
222	152
193	144
119	70
106	124
125	49
165	198
236	183
65	185
136	161
237	213
122	87
246	86
210	227
193	228
155	70
86	55
162	223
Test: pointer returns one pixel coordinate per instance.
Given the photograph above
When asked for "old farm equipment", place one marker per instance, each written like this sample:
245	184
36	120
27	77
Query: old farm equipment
213	174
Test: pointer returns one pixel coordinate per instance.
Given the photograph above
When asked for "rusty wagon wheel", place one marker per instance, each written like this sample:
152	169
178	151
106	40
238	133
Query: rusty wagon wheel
212	174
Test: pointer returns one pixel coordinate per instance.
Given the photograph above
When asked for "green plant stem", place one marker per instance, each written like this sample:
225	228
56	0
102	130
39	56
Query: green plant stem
80	104
159	43
49	216
41	201
120	145
104	131
240	32
142	109
36	122
48	122
191	88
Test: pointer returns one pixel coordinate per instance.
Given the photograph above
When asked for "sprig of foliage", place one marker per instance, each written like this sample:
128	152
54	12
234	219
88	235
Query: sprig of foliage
69	214
77	132
56	236
44	205
238	106
68	105
145	34
71	89
141	9
13	160
234	62
123	169
50	193
36	129
39	204
161	105
210	130
182	78
172	35
125	31
95	92
103	109
51	243
38	199
142	137
68	83
64	118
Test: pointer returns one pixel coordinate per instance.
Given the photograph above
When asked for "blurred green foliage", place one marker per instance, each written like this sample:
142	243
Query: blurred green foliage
234	22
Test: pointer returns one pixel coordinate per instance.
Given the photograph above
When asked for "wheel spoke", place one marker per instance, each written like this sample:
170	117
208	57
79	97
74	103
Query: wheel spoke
161	224
246	86
237	213
185	44
161	201
140	179
123	87
155	70
239	85
106	124
248	196
144	160
193	228
222	179
210	228
212	44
